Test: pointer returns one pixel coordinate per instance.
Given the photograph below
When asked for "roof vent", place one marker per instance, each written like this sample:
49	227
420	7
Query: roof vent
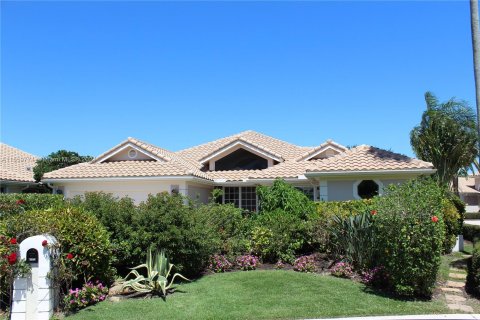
132	153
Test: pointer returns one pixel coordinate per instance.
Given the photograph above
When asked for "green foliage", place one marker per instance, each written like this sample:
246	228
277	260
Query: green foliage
473	277
57	160
277	235
81	298
116	215
471	232
171	222
352	238
453	225
320	221
229	225
284	196
409	233
447	137
472	215
158	269
12	203
79	234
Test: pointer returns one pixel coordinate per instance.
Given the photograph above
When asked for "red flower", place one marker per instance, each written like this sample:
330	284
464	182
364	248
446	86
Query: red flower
20	201
12	258
435	219
13	241
69	256
373	212
44	243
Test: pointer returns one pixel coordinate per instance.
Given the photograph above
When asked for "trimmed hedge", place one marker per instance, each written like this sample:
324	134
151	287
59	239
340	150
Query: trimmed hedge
473	278
471	232
472	215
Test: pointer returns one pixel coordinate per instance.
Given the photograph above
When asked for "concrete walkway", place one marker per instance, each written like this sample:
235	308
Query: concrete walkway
419	317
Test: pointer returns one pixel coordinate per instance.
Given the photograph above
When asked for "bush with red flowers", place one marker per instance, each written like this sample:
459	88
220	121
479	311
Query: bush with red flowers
409	234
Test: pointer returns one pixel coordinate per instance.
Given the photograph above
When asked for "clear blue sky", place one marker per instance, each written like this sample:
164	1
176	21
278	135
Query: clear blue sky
83	76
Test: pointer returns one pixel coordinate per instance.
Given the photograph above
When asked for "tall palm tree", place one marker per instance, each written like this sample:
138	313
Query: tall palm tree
476	54
447	137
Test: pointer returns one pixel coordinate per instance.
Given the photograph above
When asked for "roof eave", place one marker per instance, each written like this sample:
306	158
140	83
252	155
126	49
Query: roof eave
120	179
385	172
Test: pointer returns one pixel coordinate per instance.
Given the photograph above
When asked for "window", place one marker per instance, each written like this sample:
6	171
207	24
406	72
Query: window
241	160
249	198
367	189
308	191
241	197
231	195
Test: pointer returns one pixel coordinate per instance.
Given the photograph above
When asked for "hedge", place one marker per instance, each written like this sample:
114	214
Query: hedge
472	215
18	202
471	232
473	278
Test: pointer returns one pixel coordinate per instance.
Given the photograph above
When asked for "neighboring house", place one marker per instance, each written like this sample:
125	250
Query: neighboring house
16	169
237	164
468	190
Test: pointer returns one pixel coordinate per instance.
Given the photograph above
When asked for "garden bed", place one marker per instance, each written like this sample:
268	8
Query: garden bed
262	294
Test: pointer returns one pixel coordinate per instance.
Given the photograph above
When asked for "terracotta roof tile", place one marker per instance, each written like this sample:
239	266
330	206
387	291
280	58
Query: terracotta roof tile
15	164
367	158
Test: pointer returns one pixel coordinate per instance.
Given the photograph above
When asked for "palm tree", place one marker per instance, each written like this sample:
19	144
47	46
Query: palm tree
476	54
447	137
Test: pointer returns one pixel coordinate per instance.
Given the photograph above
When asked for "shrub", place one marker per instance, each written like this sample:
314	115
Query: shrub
11	203
247	262
277	235
353	239
342	270
219	263
83	241
472	215
319	221
375	277
89	294
284	196
231	228
473	277
452	219
409	232
471	232
279	265
304	264
116	215
167	221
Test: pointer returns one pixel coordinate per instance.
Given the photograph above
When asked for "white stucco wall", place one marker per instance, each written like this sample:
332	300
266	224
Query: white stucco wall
198	192
342	190
138	190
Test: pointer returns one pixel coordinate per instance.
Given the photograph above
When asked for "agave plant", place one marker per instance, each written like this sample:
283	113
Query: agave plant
158	271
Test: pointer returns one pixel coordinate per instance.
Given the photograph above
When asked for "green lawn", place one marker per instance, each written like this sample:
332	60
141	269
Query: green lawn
271	294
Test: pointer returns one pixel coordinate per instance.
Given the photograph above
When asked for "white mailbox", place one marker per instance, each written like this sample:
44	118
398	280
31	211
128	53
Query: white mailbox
33	296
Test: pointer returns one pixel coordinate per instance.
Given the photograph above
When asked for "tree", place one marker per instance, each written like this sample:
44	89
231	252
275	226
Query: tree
476	54
447	137
57	160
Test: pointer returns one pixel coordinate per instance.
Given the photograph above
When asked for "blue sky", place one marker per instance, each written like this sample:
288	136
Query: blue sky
83	76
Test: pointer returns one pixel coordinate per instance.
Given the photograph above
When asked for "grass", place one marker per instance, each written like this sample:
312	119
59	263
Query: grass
272	294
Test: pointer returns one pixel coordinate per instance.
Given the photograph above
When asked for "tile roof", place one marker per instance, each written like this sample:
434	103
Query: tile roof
365	157
15	164
467	185
188	161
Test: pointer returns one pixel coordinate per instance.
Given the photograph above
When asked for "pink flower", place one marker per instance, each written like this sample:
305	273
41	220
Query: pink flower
44	243
434	219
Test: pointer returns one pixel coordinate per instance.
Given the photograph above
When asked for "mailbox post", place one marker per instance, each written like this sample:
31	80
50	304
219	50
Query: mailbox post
33	295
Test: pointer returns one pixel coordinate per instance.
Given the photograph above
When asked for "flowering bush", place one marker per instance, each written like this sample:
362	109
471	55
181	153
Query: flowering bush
279	265
247	262
80	298
305	264
375	277
342	270
219	263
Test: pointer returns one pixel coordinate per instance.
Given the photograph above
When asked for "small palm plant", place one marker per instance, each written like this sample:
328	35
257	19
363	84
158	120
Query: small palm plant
158	271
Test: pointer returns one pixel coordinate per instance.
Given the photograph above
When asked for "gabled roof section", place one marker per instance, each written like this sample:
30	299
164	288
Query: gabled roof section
15	164
153	152
244	144
324	147
368	158
275	147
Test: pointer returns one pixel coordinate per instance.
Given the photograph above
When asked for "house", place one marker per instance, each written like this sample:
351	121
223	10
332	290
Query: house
16	169
237	164
468	190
